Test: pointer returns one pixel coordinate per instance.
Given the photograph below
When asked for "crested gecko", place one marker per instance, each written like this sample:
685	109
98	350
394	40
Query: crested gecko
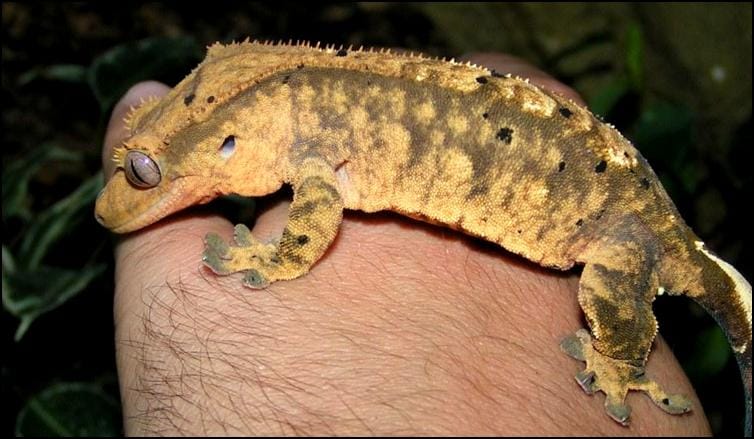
453	144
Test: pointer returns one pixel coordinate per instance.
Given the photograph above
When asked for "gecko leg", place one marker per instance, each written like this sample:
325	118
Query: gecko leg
313	221
618	306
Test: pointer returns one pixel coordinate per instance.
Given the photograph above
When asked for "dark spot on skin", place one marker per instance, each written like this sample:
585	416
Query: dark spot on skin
579	223
295	259
565	112
342	52
497	74
561	166
645	183
481	80
188	99
304	209
625	154
486	115
286	78
505	134
600	213
210	99
665	401
300	66
275	260
302	239
601	166
519	230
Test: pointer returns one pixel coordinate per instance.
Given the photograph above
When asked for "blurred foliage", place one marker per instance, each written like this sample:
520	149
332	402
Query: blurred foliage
70	410
676	79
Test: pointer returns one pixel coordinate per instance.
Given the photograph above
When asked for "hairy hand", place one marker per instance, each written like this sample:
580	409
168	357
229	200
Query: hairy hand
401	329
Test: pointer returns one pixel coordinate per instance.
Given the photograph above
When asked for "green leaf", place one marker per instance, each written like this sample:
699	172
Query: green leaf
711	353
664	132
72	73
55	222
17	174
27	294
115	71
604	101
31	289
70	409
634	56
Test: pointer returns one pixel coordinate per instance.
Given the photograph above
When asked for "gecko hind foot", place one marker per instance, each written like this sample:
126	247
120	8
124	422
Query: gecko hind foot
615	378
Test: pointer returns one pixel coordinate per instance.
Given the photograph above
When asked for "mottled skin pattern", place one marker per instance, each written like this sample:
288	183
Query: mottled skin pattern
448	143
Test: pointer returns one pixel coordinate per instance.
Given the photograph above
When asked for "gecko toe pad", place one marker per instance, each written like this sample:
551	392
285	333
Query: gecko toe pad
258	261
215	253
242	235
615	378
254	279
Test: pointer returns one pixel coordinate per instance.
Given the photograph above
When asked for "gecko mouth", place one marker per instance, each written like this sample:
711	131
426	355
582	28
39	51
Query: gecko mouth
123	209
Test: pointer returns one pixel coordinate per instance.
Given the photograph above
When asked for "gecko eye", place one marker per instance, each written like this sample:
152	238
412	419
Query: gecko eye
141	170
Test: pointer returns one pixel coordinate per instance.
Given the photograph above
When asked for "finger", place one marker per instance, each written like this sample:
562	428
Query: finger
116	128
504	63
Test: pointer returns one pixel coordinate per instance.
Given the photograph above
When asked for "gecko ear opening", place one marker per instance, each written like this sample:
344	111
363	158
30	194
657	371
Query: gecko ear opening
228	147
141	170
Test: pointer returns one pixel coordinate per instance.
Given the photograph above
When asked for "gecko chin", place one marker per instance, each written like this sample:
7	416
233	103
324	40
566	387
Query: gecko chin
142	207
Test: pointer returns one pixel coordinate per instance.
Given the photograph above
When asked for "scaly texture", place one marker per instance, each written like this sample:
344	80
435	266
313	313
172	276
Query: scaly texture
449	143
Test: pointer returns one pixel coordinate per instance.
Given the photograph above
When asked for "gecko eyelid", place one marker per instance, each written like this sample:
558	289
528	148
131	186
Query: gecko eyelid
141	170
228	147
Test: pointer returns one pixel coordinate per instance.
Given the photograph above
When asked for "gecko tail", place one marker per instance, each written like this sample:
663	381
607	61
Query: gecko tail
724	293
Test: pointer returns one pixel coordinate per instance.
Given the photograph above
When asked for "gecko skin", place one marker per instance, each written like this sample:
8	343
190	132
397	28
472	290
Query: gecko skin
452	144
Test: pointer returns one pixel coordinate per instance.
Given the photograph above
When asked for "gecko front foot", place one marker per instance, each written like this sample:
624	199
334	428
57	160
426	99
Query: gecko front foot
615	378
256	259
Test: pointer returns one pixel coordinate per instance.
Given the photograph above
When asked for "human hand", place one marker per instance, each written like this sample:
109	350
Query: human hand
402	328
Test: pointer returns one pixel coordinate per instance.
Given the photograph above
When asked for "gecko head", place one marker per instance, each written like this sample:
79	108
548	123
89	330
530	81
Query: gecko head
148	184
205	138
159	172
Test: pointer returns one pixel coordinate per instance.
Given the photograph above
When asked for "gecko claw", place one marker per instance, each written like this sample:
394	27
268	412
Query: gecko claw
586	381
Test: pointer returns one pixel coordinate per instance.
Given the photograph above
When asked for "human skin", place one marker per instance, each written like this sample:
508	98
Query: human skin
402	328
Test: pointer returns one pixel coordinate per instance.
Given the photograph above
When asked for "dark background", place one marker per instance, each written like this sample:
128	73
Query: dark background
676	79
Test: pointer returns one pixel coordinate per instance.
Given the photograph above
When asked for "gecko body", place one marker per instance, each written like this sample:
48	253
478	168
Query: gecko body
452	144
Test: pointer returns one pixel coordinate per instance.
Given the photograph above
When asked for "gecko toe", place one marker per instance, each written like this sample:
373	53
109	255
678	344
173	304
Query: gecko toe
242	235
254	279
215	253
586	381
618	411
214	243
573	345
